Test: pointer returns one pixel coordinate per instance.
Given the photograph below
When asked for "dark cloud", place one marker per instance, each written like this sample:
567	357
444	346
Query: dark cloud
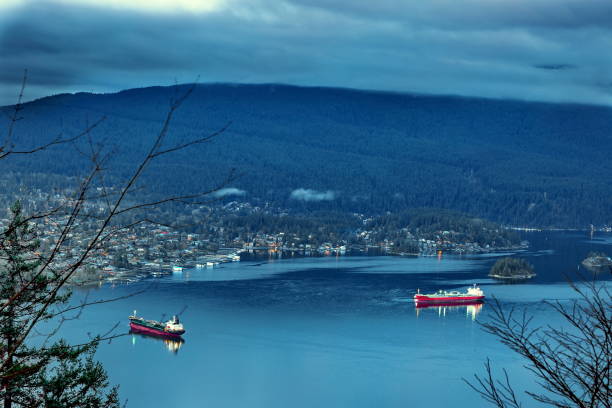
466	47
555	67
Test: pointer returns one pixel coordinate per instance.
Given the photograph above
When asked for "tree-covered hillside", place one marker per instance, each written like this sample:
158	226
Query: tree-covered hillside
516	162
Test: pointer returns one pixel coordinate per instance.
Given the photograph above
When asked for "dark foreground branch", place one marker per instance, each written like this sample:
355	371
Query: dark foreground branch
571	363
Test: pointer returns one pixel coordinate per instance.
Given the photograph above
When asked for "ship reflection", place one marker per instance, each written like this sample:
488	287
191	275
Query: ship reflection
471	308
173	345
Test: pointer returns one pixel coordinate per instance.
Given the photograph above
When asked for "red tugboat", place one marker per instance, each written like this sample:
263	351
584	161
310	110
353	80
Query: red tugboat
172	328
443	297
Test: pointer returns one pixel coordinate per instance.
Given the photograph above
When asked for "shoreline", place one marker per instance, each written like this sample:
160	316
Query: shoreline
136	274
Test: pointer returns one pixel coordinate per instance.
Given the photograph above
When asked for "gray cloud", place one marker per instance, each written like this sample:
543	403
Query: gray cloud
477	14
302	194
468	47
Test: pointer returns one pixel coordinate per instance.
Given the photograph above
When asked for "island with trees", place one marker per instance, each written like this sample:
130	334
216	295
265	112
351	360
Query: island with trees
512	268
597	260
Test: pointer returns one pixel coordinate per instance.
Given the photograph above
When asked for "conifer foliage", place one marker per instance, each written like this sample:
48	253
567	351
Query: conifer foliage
38	369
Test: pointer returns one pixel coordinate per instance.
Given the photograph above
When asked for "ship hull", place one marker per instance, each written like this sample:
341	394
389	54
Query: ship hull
424	305
153	331
447	299
141	333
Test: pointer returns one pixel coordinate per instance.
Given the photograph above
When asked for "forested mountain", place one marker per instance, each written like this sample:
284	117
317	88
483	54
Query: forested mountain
515	162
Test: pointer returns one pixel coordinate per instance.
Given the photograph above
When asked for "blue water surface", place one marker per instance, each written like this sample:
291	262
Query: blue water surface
324	332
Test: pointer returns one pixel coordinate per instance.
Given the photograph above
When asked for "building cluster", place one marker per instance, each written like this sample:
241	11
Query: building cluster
151	249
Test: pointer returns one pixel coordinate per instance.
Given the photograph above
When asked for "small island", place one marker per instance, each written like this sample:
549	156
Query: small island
596	260
512	268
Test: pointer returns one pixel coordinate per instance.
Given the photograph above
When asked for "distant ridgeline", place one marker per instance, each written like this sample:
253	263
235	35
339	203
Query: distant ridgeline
519	163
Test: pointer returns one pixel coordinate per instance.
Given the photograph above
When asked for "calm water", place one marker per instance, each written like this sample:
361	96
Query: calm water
324	332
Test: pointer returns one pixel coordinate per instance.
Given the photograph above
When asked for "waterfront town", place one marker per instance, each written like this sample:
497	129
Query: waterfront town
228	232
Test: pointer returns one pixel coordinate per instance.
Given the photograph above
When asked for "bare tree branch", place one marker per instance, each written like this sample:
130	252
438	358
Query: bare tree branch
571	363
37	294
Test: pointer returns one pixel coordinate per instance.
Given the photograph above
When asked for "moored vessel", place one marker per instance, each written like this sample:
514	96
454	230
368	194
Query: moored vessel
437	303
473	294
172	328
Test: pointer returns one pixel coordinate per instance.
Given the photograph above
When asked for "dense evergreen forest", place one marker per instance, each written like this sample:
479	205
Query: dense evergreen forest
518	163
512	268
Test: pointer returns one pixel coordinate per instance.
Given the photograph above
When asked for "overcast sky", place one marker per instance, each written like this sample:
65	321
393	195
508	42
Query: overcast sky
545	50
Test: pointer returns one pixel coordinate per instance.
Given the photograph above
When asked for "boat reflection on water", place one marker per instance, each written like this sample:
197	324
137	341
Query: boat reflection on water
471	308
172	344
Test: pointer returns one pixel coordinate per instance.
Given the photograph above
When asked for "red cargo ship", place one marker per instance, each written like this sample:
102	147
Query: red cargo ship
473	294
425	305
172	328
